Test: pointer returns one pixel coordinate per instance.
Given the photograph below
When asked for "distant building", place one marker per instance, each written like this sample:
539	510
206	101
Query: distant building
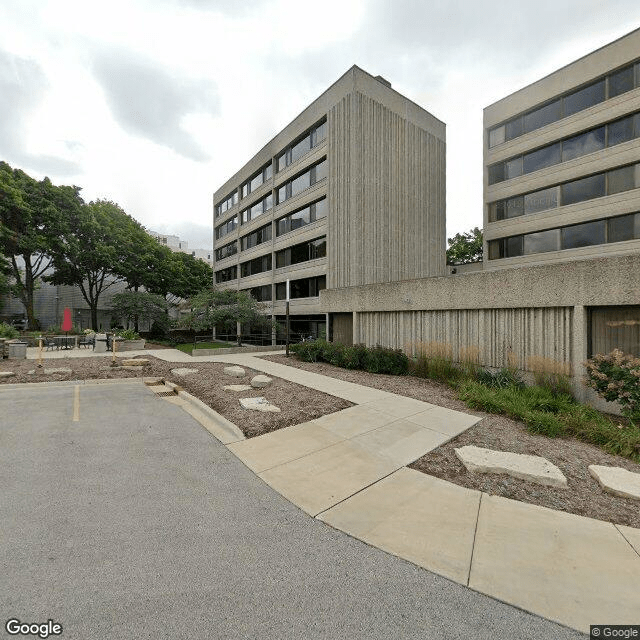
175	244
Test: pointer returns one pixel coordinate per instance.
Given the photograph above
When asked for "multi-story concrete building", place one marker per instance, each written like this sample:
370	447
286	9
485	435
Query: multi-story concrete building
182	246
351	192
562	163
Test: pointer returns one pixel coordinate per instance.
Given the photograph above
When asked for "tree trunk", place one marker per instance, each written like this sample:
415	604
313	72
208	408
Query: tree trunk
94	316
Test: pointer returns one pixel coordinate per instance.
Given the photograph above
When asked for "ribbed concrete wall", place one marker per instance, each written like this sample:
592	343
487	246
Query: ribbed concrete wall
386	194
497	333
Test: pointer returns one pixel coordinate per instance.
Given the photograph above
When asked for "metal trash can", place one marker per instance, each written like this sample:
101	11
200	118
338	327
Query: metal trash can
17	350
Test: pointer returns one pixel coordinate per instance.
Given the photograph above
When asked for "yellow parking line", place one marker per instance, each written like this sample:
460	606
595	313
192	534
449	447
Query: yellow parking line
76	404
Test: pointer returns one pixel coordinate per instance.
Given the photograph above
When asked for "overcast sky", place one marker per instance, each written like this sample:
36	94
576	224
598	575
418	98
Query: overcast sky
155	103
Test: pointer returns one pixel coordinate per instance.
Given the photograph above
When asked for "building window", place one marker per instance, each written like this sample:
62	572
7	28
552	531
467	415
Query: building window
257	265
302	217
302	145
227	203
614	328
612	85
596	186
586	234
261	294
303	181
257	180
263	234
226	251
257	209
302	252
227	227
304	288
225	275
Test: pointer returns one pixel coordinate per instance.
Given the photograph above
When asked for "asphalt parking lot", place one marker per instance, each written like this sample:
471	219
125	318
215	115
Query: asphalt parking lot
123	518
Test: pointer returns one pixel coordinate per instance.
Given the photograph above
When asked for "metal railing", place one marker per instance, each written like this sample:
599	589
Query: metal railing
252	339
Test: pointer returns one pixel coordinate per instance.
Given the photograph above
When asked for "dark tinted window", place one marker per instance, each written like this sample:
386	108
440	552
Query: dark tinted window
622	179
497	211
513	128
515	207
620	131
513	168
514	246
542	241
321	209
584	189
621	228
584	143
583	235
545	157
584	98
621	82
543	116
496	173
496	249
541	200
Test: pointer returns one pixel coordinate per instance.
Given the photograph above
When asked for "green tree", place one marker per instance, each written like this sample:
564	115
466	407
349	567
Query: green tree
34	215
137	305
465	248
194	275
212	308
93	248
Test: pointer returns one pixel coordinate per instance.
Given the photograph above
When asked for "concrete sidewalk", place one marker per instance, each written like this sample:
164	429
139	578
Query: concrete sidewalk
348	469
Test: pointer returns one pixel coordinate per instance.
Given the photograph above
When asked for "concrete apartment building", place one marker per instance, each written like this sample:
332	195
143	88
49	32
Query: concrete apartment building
352	192
561	269
562	163
176	244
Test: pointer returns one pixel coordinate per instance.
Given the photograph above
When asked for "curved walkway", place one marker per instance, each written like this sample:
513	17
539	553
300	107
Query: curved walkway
348	469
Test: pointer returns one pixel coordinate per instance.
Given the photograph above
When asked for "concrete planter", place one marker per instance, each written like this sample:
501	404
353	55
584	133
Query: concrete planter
129	345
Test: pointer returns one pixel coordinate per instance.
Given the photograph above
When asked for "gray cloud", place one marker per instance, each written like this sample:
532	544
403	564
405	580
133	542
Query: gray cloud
198	236
234	8
149	102
23	85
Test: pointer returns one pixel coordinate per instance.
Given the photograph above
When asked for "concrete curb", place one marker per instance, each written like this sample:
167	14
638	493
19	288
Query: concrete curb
70	383
223	429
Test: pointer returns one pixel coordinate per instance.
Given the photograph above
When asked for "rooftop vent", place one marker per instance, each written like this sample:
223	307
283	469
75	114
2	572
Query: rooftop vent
385	82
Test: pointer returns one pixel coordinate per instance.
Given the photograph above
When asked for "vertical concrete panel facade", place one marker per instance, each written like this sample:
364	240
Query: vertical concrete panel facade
387	196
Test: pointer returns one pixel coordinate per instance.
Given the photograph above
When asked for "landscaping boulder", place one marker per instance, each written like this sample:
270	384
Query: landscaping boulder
617	481
531	468
183	371
237	387
8	374
258	404
234	371
135	362
259	381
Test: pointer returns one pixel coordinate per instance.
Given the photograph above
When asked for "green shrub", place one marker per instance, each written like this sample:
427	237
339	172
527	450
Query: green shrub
8	331
127	334
616	377
309	351
382	360
333	353
546	424
436	367
355	357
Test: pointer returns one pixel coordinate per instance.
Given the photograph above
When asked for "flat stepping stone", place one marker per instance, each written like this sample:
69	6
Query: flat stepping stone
617	481
258	404
259	381
135	362
184	371
6	374
531	468
237	387
60	370
234	372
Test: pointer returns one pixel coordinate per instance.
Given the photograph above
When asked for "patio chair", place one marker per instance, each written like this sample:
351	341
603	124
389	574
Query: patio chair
87	341
49	343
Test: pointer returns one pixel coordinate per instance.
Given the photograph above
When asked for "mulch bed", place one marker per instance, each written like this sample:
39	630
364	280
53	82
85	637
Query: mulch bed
584	495
297	403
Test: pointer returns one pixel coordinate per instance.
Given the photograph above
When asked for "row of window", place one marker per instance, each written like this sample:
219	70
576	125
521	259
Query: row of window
586	234
257	209
293	152
609	86
302	252
608	135
595	186
227	203
302	217
227	227
296	254
302	288
228	250
303	181
253	239
225	275
300	147
257	180
257	265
